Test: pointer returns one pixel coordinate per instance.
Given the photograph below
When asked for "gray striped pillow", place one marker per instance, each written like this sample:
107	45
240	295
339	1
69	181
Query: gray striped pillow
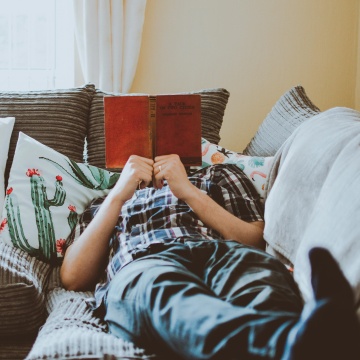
213	104
56	118
22	283
293	108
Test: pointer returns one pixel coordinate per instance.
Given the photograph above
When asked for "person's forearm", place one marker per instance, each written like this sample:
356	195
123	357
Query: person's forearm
229	226
86	258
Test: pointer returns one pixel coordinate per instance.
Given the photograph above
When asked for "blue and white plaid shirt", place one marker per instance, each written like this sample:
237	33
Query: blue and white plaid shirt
157	216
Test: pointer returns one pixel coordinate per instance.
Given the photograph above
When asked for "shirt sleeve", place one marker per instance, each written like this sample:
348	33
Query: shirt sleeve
228	185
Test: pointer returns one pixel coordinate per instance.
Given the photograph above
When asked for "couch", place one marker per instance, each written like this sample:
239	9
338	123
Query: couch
52	146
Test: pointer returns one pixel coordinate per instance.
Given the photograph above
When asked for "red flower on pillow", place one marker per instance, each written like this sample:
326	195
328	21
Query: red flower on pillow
3	224
72	208
32	172
9	191
58	178
60	246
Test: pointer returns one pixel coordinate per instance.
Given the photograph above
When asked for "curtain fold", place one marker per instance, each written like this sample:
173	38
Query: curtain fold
108	37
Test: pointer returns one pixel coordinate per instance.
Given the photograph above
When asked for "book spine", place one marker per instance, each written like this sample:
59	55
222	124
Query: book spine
152	123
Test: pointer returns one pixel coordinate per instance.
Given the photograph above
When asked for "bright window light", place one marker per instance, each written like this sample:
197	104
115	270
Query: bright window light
36	44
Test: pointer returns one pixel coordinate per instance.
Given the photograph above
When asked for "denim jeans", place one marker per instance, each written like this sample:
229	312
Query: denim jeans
204	299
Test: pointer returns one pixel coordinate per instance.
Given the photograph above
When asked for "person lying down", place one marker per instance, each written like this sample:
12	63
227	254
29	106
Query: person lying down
187	276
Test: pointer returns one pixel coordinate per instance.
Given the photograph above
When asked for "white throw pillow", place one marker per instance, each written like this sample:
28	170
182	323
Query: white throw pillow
6	127
256	168
45	195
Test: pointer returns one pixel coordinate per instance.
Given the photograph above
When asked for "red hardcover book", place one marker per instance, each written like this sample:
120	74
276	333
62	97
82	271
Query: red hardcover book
152	125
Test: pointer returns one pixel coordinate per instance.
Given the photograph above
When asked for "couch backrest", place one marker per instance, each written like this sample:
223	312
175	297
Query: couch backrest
56	118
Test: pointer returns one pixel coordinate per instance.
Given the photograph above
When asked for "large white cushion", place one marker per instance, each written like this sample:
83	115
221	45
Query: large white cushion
45	194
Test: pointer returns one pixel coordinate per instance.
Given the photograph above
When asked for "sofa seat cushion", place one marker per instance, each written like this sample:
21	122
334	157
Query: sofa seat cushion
72	332
22	283
213	104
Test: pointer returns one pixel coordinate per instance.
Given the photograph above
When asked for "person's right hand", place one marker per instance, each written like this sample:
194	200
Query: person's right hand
137	173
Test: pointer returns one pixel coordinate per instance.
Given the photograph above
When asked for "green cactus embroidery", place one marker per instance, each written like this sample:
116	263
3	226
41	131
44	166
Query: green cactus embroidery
42	204
73	217
86	175
13	221
97	179
44	223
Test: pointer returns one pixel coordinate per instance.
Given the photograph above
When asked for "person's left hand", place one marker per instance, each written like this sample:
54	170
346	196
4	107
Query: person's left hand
171	169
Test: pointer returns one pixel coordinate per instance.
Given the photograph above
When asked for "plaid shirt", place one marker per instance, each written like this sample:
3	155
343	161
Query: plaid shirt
157	216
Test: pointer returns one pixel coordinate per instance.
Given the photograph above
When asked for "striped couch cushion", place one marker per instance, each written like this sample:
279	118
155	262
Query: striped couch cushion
213	104
14	348
56	118
22	299
293	108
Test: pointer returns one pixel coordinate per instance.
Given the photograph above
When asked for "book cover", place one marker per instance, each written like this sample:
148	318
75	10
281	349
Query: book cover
152	125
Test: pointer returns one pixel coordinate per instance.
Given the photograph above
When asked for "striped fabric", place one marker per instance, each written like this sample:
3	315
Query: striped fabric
56	118
13	349
293	108
22	299
72	332
213	104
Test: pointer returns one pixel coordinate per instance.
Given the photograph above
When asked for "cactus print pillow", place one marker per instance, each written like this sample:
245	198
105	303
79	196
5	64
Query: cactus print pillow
255	167
46	193
6	127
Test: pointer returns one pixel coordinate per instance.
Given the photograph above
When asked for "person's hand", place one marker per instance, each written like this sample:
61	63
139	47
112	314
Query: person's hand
171	169
137	173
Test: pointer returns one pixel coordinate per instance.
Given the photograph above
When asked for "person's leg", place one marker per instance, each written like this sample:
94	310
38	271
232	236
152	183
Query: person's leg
329	328
161	303
246	276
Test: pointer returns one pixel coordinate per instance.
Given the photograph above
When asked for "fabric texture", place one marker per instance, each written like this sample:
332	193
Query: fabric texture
22	292
313	187
162	301
72	332
13	349
6	128
45	194
213	105
57	118
156	216
108	39
292	109
256	168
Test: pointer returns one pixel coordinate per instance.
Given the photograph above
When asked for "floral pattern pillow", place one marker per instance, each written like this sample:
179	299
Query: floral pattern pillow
255	167
46	193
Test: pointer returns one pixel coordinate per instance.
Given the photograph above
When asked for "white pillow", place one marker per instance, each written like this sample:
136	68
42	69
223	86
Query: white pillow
256	168
45	195
6	128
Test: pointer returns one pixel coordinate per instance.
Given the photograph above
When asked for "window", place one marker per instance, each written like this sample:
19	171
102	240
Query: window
36	44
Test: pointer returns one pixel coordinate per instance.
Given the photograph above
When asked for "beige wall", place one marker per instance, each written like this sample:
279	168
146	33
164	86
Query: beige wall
256	49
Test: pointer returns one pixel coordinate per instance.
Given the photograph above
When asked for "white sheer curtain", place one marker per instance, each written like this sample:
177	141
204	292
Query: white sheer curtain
108	37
